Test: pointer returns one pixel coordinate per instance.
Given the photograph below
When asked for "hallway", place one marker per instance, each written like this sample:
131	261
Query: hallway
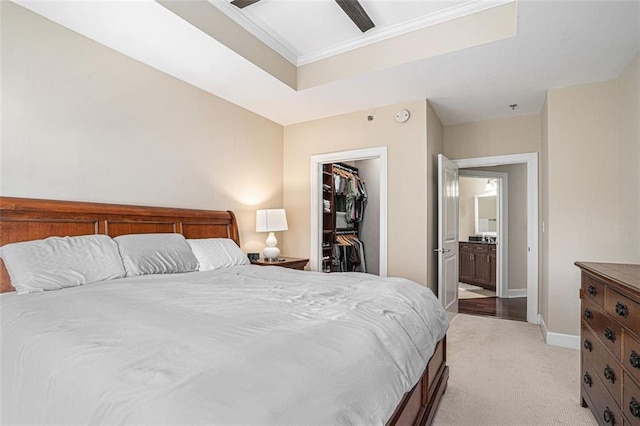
511	309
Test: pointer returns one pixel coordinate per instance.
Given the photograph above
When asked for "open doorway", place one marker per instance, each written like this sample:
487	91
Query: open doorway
527	227
482	230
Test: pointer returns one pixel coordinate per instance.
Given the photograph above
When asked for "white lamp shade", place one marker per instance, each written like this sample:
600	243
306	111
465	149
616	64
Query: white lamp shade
271	220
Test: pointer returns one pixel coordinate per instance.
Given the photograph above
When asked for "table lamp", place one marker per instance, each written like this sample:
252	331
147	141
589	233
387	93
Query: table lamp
271	220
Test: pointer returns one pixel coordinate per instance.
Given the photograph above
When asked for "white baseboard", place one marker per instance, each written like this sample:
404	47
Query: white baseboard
558	339
517	292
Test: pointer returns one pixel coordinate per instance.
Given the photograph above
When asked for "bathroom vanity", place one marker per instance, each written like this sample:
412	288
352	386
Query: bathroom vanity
478	264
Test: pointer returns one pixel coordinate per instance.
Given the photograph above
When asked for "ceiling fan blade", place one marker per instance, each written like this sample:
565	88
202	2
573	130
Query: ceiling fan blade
354	10
241	4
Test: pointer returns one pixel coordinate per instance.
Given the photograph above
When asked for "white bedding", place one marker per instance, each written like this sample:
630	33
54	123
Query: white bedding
241	345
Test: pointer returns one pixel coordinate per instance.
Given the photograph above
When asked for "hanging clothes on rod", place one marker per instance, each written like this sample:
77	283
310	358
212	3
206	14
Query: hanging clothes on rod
351	193
350	251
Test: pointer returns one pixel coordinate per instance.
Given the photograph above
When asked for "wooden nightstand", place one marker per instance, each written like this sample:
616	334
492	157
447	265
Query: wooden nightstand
284	262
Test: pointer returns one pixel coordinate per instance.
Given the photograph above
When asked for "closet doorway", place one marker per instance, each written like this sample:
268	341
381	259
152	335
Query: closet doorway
329	227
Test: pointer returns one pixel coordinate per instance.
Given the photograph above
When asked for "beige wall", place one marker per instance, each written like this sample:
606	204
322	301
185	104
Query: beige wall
82	122
435	140
583	219
516	135
407	178
629	162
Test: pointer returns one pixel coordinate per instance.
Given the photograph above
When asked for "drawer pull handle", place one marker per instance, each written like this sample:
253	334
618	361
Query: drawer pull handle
609	374
634	359
592	290
609	334
622	310
634	407
587	345
587	379
608	416
588	314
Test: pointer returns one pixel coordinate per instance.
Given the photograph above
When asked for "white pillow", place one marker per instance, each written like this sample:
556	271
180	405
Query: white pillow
215	253
58	262
144	254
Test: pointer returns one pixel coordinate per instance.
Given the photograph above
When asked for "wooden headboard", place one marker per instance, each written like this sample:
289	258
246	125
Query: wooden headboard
24	219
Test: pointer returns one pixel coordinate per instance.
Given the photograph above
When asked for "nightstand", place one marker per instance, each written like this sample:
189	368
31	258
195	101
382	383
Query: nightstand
284	262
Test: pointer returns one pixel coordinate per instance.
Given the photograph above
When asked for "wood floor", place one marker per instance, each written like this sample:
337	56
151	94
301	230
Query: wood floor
511	309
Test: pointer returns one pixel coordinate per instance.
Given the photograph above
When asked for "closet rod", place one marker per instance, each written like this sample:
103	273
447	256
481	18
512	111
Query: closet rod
345	168
346	232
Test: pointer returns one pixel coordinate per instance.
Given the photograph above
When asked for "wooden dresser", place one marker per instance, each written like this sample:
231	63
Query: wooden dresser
610	340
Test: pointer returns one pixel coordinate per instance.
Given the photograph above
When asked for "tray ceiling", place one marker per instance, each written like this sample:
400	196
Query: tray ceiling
557	44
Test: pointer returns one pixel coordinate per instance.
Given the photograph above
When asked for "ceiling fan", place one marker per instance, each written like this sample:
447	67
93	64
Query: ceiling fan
352	8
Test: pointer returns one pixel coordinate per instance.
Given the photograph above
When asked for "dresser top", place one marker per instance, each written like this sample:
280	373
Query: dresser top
624	274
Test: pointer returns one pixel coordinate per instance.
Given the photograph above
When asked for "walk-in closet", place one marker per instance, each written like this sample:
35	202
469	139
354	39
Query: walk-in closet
350	238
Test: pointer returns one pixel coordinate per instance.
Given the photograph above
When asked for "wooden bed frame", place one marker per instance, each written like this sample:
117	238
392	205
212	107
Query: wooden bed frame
24	219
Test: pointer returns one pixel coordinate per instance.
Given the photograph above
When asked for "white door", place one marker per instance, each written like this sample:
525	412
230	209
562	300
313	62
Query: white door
447	233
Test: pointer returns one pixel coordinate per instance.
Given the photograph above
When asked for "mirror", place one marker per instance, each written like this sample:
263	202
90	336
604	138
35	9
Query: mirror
486	214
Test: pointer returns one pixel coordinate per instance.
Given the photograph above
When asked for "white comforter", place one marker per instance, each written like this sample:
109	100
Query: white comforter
244	345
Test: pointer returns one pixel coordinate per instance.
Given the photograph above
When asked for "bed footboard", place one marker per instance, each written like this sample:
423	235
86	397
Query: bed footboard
419	405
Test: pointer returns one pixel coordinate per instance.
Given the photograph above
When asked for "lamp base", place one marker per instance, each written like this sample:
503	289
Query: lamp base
271	253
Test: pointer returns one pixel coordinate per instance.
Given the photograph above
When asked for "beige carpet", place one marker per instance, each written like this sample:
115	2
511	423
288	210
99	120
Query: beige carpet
502	373
468	291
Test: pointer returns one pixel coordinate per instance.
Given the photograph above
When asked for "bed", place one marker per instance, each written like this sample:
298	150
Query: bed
244	344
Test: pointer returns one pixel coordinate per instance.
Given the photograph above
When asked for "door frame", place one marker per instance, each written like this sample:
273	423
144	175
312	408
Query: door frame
531	161
502	289
317	160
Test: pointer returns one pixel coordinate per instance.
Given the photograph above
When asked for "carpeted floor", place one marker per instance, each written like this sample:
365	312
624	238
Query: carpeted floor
502	373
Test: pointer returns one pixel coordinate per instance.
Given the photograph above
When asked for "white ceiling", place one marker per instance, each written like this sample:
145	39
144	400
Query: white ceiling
559	43
306	31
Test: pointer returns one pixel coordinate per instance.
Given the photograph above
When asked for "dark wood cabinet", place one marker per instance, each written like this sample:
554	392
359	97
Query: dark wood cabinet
493	265
465	260
609	336
477	264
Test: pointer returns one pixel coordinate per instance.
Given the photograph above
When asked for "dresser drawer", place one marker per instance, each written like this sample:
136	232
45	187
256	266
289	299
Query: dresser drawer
603	365
631	355
623	309
630	404
607	331
593	290
602	405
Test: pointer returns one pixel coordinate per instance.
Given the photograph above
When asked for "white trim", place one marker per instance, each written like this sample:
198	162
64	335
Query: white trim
316	195
276	44
531	160
401	28
503	225
517	292
558	339
291	54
